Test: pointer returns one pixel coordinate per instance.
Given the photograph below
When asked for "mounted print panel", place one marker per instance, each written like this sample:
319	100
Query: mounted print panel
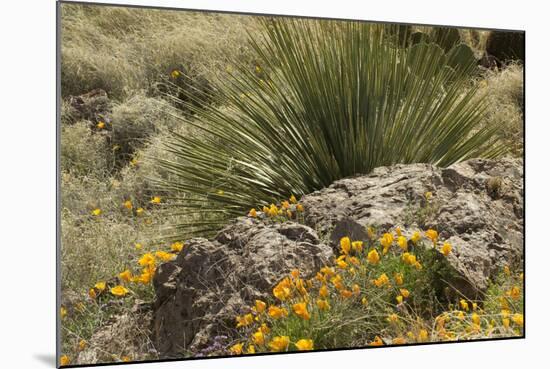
237	184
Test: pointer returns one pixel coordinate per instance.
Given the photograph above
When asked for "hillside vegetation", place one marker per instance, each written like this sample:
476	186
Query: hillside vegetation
153	103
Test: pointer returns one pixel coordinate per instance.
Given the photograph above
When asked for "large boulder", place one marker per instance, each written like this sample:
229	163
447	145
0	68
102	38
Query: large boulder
208	284
476	205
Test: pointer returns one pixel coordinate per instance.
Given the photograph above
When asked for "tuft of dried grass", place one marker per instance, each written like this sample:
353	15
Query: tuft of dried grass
504	88
122	50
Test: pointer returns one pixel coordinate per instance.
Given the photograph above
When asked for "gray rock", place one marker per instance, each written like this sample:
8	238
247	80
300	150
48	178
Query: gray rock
477	206
210	282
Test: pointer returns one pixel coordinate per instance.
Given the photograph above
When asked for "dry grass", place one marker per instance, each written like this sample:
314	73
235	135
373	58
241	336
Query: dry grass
122	50
505	92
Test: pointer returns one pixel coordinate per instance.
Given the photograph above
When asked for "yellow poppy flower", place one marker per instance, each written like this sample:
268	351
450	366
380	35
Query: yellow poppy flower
300	208
357	246
176	246
64	360
293	199
373	257
140	211
518	319
156	200
402	242
283	290
276	312
260	306
236	349
323	304
96	212
128	204
100	285
165	256
82	345
416	236
285	205
100	125
346	293
432	235
399	341
323	291
252	213
405	292
92	293
476	319
464	305
264	328
399	299
376	342
138	246
126	275
382	280
446	249
251	349
258	338
304	345
345	245
300	309
119	290
279	343
386	240
393	318
515	292
245	320
422	335
63	312
398	277
175	73
147	259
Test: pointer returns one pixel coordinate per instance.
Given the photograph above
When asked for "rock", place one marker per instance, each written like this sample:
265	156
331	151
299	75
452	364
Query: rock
127	335
210	282
477	206
93	106
505	46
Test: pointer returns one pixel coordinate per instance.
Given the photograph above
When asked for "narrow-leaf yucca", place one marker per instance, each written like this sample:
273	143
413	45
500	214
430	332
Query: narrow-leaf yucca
327	100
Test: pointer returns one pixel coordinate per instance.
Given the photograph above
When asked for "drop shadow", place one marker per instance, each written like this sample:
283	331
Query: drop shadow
48	359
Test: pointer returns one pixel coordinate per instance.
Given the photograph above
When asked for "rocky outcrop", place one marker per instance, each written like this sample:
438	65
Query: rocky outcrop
127	335
207	285
476	205
93	106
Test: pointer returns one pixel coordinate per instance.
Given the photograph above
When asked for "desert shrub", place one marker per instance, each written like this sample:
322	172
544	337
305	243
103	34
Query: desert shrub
84	152
342	103
134	121
122	50
504	89
377	292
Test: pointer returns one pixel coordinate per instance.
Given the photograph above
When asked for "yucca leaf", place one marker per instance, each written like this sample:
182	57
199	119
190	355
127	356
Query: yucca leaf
334	99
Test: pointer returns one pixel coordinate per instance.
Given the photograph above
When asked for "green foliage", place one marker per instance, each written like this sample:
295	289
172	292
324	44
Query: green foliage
326	100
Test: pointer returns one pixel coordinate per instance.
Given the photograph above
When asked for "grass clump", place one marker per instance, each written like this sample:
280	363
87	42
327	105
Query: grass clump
123	50
504	90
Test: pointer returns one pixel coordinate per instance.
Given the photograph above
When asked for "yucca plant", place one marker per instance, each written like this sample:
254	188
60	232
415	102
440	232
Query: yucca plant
326	100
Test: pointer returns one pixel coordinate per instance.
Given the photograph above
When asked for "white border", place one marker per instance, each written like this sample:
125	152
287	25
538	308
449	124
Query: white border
27	154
